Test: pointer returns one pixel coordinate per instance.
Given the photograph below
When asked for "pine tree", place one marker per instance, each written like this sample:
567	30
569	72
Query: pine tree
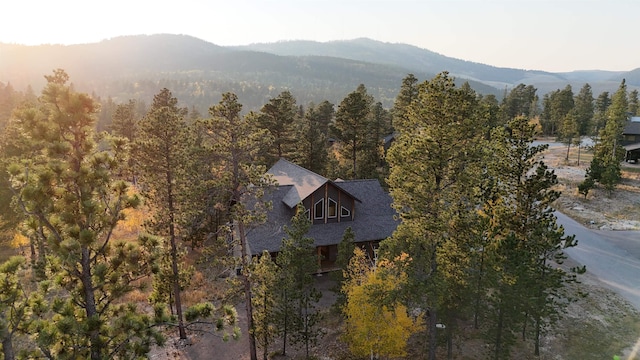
584	111
311	144
634	103
602	103
525	239
351	127
14	304
161	157
235	142
297	316
278	117
265	273
521	100
568	132
557	105
605	166
69	192
433	169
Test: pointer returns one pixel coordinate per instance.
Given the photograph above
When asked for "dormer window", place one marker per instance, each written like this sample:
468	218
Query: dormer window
332	210
318	209
344	212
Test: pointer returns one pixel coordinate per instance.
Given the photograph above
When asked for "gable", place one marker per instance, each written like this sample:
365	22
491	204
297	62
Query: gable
304	182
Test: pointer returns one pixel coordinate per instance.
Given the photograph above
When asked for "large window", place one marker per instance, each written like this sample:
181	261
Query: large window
318	209
332	210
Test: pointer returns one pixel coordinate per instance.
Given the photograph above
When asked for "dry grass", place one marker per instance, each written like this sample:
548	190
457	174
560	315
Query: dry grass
599	210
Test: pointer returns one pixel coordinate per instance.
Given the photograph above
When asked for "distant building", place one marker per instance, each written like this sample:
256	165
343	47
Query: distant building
631	132
631	139
332	206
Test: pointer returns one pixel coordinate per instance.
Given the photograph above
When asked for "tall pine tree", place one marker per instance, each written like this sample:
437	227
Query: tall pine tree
68	190
161	155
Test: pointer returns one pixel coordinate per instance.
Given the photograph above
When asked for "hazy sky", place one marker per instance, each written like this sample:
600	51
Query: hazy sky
552	35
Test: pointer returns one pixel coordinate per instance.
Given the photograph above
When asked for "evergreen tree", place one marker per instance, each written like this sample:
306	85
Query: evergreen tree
124	120
161	155
278	117
521	100
584	111
14	304
602	104
568	133
297	316
123	125
557	105
235	142
311	141
265	273
326	113
380	126
351	127
408	92
433	166
345	252
609	152
525	239
634	103
69	192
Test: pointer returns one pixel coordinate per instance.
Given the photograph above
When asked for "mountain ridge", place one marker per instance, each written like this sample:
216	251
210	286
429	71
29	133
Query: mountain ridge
136	65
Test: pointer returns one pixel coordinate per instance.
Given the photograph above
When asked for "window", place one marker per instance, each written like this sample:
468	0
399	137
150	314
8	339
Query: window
344	212
318	209
332	210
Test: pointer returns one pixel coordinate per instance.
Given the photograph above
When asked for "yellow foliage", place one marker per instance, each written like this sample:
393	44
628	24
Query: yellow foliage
373	328
19	240
132	223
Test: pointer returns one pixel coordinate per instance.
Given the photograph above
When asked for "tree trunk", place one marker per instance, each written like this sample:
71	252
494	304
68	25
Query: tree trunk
90	304
174	258
449	343
579	146
355	176
536	350
176	283
7	343
499	333
478	290
433	318
568	147
247	290
286	324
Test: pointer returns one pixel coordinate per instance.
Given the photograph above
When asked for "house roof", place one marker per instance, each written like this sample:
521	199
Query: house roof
632	127
303	182
374	218
632	147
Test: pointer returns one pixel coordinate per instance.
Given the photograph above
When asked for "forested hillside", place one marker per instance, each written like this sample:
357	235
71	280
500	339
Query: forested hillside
198	72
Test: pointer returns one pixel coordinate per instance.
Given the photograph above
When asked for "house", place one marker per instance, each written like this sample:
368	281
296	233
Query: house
332	206
631	139
631	132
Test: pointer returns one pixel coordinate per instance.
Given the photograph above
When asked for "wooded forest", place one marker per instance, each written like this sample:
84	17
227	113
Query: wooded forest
110	208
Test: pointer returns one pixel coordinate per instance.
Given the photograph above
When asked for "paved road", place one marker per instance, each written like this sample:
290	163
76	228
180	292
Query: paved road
612	256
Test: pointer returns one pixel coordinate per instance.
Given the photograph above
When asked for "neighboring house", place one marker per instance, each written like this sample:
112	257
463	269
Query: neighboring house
631	133
631	139
332	206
